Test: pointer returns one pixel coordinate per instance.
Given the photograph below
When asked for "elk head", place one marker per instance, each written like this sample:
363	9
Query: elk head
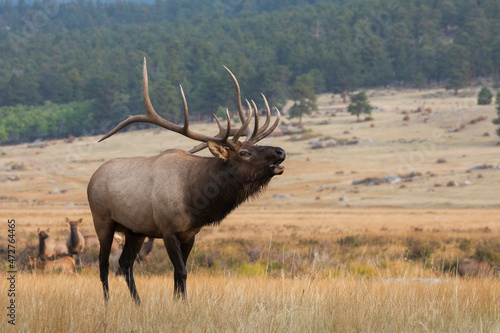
74	224
43	234
247	158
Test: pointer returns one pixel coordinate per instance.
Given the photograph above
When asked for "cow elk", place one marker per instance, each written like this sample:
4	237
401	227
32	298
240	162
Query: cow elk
64	264
471	267
174	194
76	241
49	248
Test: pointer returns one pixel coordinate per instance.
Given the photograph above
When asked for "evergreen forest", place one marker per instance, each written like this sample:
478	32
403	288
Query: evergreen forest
75	68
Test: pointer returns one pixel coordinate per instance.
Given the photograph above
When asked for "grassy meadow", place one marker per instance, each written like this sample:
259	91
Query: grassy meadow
321	250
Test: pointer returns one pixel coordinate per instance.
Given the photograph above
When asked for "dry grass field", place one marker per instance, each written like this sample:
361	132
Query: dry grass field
323	249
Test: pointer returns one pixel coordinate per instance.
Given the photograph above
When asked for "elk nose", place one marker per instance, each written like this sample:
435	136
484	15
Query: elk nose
281	153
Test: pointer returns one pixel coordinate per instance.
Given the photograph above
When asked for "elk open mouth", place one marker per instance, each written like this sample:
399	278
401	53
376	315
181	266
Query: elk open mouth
277	168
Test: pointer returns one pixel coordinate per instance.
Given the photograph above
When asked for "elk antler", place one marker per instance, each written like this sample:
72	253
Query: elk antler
258	133
152	117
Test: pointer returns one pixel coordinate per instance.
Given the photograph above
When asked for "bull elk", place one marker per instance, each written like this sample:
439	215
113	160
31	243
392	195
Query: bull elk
76	241
174	194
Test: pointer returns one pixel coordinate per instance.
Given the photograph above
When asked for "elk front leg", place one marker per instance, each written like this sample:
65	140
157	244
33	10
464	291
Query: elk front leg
186	249
173	246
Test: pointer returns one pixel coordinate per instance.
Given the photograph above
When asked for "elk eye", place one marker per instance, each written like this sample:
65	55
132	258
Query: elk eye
244	153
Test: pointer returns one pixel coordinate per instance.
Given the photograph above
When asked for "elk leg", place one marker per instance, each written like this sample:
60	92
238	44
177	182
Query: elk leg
186	249
105	240
133	244
173	246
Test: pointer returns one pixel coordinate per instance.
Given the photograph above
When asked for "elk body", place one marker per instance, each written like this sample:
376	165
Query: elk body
76	241
471	267
174	194
49	248
64	264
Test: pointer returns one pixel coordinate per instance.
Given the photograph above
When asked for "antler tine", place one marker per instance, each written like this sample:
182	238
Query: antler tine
222	133
256	125
242	128
228	130
268	115
241	114
186	112
270	129
152	117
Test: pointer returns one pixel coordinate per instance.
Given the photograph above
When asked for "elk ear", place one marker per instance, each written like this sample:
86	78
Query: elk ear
67	220
48	229
218	150
37	230
80	220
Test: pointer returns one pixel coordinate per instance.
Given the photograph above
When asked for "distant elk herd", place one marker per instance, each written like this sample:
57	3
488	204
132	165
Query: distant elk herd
172	195
54	255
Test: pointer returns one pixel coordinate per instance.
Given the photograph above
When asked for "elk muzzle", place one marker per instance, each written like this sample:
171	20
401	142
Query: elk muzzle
278	169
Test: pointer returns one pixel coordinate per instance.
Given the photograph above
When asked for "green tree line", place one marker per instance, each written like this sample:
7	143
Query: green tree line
85	51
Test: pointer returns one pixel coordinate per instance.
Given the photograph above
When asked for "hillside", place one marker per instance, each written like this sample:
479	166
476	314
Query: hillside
314	178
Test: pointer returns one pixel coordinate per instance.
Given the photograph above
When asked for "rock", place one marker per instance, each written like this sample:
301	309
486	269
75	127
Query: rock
329	143
392	179
467	183
37	144
441	160
281	196
324	144
437	185
368	181
482	167
314	141
452	183
55	191
411	175
277	133
13	178
344	199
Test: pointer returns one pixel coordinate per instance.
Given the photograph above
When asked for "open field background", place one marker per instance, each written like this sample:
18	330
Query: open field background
315	252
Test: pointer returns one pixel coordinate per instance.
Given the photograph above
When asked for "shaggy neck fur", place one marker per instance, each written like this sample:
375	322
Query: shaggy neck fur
219	189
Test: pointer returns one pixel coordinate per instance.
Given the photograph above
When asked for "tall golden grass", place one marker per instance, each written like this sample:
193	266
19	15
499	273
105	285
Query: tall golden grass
74	303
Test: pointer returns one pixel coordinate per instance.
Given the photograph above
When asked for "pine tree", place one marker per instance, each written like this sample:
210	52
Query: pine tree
458	68
484	97
359	104
497	120
304	97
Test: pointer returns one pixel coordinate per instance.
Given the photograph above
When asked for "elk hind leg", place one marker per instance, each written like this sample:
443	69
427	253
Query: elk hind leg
105	236
133	244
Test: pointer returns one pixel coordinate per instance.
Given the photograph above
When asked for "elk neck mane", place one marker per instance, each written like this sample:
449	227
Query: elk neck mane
218	187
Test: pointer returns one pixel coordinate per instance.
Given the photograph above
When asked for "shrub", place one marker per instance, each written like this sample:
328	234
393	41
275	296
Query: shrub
484	97
419	249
